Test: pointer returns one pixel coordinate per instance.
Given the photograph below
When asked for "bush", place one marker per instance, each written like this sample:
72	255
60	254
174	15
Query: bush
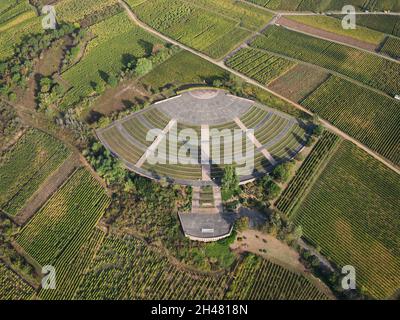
282	172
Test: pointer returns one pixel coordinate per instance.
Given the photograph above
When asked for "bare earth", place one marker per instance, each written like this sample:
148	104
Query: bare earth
253	241
325	34
121	97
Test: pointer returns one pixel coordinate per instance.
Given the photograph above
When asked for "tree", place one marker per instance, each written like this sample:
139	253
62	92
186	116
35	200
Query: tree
282	171
112	80
99	87
242	223
273	190
317	130
230	183
45	84
143	66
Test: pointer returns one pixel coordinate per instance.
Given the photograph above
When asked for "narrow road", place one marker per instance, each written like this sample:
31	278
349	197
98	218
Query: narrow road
221	64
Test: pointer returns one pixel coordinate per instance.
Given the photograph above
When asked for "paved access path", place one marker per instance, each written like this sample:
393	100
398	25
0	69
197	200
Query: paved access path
221	64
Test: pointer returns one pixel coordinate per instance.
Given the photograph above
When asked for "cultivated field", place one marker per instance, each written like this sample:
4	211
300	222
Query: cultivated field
26	166
116	40
334	25
75	10
383	23
304	177
261	66
351	212
392	47
213	27
318	6
70	213
259	279
298	82
371	118
370	69
17	19
72	265
12	287
126	268
182	68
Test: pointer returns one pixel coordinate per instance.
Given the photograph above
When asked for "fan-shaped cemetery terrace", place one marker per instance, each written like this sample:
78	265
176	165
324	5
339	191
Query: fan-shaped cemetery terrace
189	139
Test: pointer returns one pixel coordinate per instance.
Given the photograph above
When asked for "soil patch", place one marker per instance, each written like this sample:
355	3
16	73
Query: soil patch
325	34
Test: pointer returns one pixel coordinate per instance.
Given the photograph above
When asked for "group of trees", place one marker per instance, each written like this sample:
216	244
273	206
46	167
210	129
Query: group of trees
7	252
15	71
134	67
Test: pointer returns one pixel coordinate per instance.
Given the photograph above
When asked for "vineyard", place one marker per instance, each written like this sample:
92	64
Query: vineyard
70	213
183	67
258	279
333	25
26	166
261	66
306	174
298	82
213	27
351	212
383	23
370	69
72	265
17	19
114	39
12	287
126	268
75	10
318	6
392	47
371	118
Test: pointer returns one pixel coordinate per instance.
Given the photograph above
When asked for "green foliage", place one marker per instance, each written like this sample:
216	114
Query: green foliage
213	27
143	66
12	287
26	166
229	183
282	172
392	47
370	69
304	176
353	186
272	281
367	116
80	203
261	66
117	43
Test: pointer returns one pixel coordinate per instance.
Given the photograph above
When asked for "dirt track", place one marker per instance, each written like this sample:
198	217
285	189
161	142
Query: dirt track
221	64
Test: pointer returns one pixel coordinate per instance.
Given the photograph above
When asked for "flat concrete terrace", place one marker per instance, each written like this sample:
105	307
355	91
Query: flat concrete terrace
207	227
275	137
199	107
